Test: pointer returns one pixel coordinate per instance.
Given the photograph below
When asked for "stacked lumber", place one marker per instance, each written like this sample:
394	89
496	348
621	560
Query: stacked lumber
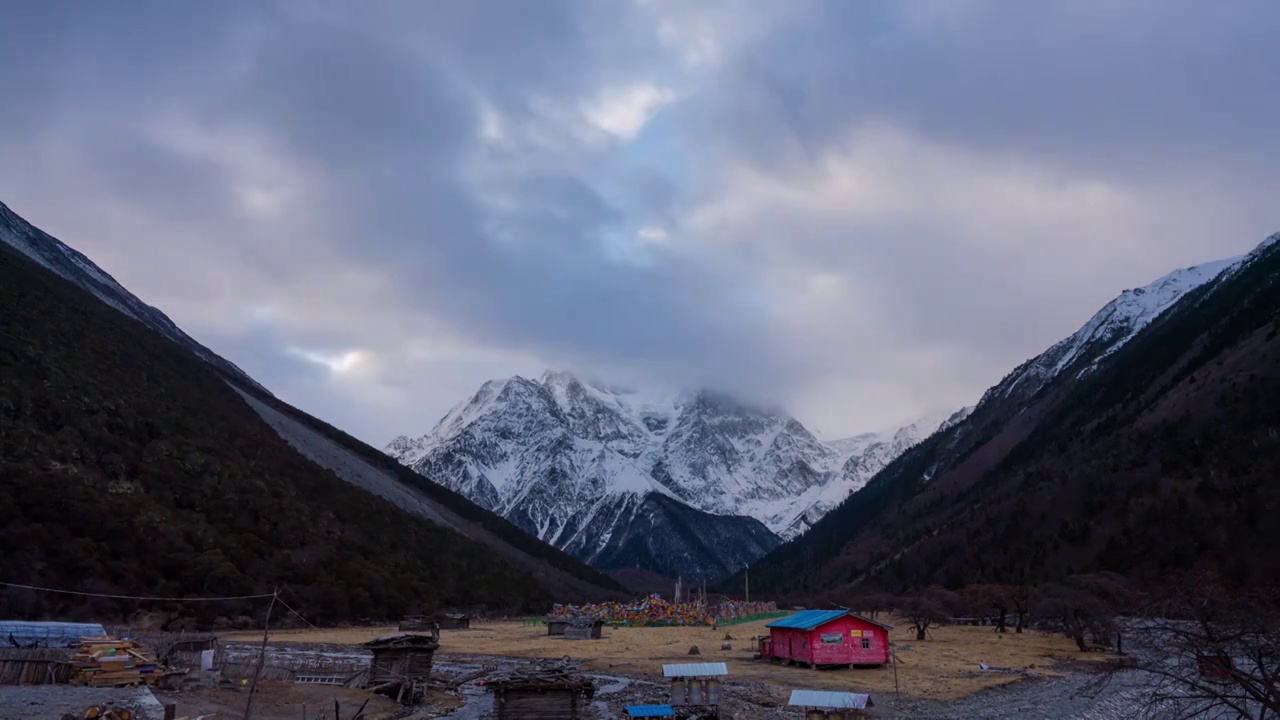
106	662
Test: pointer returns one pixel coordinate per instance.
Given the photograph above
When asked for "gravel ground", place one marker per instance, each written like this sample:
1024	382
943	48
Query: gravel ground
1077	695
25	702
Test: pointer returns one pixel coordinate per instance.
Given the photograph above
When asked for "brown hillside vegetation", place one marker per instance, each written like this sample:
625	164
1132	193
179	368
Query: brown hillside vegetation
130	467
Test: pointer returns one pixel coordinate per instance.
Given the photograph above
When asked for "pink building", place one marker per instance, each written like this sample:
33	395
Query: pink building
827	637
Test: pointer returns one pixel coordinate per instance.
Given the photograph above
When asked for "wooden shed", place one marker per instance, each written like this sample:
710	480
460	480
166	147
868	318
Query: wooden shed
578	627
827	637
401	666
547	690
425	623
455	621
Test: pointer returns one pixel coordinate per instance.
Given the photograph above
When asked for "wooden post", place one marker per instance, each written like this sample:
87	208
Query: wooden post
894	654
170	711
262	656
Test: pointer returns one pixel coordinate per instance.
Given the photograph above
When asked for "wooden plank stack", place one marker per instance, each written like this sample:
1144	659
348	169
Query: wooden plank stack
106	662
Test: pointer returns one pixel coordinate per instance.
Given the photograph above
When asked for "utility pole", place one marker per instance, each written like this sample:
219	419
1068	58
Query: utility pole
746	578
262	656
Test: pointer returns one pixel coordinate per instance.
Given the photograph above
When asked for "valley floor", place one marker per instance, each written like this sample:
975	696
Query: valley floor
937	677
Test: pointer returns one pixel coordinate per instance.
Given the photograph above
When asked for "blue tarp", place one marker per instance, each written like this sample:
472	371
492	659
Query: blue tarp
648	711
47	634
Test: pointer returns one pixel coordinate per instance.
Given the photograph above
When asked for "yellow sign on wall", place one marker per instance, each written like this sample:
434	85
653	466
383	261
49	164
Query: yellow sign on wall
855	633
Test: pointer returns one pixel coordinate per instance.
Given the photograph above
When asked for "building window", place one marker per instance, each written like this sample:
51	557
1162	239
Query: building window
866	643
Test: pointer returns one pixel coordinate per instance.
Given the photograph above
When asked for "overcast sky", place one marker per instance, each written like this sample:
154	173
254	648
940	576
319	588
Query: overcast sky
866	211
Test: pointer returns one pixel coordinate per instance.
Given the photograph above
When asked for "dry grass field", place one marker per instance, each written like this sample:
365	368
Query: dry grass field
942	667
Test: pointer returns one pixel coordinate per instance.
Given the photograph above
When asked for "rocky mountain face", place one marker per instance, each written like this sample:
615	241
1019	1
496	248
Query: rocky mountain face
602	472
72	265
1143	443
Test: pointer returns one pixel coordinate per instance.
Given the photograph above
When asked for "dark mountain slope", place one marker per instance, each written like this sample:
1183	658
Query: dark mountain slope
556	570
71	264
131	467
1151	457
665	536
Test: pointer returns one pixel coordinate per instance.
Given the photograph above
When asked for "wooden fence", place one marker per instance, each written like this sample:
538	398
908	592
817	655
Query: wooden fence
38	666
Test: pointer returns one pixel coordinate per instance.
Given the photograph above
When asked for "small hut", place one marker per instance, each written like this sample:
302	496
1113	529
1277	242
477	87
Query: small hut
821	705
576	627
445	621
401	666
696	686
455	621
545	690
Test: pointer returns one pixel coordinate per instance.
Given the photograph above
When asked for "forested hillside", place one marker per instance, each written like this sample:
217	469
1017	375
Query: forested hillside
131	467
1166	456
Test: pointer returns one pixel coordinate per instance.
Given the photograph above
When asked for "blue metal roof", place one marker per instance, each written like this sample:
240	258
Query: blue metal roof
808	619
819	698
639	711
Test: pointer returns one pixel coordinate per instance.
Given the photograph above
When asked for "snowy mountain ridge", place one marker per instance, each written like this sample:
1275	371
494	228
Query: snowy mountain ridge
75	267
1112	326
578	463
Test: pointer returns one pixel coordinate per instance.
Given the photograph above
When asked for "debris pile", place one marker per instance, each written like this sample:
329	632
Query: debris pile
107	662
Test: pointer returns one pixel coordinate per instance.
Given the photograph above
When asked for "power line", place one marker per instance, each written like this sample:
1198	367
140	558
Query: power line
138	597
295	612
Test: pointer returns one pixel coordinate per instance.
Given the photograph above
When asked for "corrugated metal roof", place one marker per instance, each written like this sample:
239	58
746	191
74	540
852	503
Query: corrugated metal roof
695	670
48	634
807	619
820	698
639	711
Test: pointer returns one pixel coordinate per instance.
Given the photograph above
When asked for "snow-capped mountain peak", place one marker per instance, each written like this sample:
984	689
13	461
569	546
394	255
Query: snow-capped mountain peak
585	464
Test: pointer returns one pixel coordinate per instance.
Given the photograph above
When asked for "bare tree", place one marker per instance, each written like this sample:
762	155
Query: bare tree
1083	608
1209	650
994	600
928	608
1020	601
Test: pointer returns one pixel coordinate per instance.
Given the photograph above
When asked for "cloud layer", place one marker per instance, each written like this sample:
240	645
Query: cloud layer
866	211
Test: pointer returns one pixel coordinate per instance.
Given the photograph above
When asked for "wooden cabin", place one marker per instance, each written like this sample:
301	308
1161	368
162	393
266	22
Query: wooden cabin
823	705
401	666
576	628
555	697
827	637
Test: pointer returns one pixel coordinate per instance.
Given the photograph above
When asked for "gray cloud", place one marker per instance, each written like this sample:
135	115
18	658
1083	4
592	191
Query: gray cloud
865	210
